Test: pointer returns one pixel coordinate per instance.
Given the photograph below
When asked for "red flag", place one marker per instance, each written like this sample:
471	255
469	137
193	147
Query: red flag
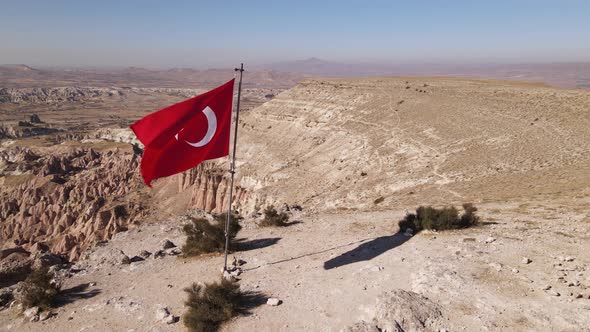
181	136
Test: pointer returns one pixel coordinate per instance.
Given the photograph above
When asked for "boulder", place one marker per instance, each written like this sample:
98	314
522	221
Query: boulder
167	244
14	268
164	315
47	259
32	314
401	310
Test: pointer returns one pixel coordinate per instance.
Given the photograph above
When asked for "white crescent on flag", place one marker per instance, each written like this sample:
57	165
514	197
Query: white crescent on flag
211	128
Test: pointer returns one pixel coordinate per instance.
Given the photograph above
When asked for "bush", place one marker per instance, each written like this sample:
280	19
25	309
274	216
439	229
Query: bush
427	217
38	291
273	218
209	305
205	237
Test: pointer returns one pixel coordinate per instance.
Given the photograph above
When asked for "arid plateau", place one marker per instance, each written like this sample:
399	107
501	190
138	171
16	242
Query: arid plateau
346	159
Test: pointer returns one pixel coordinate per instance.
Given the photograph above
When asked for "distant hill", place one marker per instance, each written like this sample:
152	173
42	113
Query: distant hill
566	75
23	76
287	74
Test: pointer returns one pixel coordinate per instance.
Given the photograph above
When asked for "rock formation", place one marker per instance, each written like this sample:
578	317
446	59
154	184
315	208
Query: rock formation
70	200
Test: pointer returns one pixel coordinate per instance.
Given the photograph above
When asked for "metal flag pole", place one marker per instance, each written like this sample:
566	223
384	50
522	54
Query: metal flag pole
232	167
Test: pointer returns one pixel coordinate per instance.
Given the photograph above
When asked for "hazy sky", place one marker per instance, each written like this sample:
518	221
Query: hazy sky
218	33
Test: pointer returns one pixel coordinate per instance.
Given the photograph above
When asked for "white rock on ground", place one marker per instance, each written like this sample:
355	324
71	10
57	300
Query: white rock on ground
273	301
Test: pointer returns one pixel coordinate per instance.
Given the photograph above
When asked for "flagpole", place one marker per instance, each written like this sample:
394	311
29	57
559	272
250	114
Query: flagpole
232	168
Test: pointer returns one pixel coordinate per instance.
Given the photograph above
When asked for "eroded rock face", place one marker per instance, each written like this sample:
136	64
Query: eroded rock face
70	200
208	185
50	95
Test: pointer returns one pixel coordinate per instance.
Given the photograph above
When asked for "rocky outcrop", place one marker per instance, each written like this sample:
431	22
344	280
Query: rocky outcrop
52	95
209	186
71	200
74	93
14	268
400	310
25	129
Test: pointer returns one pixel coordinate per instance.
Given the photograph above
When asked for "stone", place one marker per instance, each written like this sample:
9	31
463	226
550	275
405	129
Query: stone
525	260
144	254
46	259
401	310
135	259
490	240
273	301
236	272
376	268
162	313
552	292
125	260
171	319
229	277
496	266
167	244
32	314
409	232
159	254
44	315
515	270
546	287
569	259
173	251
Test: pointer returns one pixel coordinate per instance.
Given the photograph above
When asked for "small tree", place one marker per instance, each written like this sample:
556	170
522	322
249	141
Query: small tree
274	218
427	217
205	237
38	290
209	305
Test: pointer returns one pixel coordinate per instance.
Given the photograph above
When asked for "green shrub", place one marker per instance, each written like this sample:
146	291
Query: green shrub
38	291
427	217
205	237
209	305
273	218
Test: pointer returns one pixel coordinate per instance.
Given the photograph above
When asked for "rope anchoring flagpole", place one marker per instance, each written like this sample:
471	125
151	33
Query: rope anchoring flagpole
232	167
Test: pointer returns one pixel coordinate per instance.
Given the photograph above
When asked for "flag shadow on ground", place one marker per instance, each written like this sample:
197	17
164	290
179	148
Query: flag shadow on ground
72	294
367	251
243	245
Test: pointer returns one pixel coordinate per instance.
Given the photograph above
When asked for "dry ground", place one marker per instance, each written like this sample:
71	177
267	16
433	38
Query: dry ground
329	269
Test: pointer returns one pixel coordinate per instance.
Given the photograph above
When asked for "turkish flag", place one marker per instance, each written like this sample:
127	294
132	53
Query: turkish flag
181	136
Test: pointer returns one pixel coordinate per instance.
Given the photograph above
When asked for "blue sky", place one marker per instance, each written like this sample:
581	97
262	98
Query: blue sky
218	33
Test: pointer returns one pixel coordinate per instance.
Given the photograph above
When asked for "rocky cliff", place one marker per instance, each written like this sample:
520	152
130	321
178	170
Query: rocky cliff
68	200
